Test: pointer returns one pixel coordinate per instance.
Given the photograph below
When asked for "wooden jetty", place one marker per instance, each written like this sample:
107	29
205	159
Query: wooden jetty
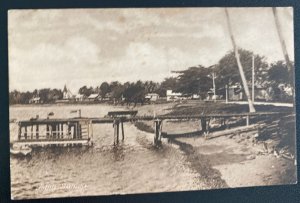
55	132
78	131
119	117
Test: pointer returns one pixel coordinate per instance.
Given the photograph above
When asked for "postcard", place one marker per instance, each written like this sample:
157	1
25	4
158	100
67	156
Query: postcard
150	100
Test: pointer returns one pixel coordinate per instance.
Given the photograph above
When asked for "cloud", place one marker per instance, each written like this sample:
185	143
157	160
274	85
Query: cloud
48	48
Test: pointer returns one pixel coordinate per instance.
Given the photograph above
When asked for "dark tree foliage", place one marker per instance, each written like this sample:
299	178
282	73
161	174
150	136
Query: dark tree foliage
104	89
168	84
194	80
228	73
279	74
135	93
86	91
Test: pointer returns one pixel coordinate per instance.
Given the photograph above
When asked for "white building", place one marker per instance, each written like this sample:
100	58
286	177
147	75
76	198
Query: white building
152	96
172	96
67	93
35	100
79	97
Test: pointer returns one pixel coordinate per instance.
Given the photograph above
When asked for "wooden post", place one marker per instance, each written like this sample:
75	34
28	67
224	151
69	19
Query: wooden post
58	130
25	134
69	130
54	129
247	120
20	132
214	85
31	132
122	126
37	131
157	131
116	131
62	130
226	93
47	131
203	124
160	130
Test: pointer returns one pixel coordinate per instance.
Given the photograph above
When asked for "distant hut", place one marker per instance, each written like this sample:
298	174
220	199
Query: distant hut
172	96
152	96
93	97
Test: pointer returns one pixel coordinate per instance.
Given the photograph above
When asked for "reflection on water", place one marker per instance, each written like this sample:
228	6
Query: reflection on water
133	166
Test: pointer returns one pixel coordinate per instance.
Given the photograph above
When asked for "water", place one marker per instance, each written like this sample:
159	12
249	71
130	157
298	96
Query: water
135	166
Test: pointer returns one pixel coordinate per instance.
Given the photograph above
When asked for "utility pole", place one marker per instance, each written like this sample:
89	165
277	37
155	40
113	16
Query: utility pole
251	106
253	75
283	47
214	85
226	93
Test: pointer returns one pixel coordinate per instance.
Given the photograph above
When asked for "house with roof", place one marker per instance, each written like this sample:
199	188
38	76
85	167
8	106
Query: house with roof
173	96
152	96
93	97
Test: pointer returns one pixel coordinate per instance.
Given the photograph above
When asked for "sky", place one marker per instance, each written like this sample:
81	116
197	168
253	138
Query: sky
50	48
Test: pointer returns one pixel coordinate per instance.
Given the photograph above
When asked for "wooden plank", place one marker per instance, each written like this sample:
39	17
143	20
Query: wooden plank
122	113
52	142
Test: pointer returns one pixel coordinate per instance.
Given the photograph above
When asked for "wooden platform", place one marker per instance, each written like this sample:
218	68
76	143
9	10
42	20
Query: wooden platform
53	142
58	132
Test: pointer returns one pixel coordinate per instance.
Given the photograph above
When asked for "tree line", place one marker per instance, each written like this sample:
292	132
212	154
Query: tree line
193	80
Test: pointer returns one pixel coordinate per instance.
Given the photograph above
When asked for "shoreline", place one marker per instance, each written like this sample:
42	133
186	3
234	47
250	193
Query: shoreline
227	161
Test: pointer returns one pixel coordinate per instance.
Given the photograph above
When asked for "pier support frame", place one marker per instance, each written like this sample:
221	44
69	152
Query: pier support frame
116	124
157	131
247	120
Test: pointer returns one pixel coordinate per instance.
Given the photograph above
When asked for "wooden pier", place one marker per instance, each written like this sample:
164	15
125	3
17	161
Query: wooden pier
55	132
79	131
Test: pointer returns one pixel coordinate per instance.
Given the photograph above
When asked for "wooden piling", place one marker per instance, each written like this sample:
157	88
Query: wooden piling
203	124
247	120
116	131
62	131
20	132
31	132
37	132
122	126
157	131
47	131
25	134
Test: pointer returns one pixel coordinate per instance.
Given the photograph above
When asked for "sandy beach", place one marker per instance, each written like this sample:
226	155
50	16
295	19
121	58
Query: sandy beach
234	159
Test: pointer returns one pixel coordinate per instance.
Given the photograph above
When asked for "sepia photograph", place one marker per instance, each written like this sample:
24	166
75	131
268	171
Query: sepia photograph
150	100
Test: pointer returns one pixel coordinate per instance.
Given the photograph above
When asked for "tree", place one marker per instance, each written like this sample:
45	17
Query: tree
280	74
44	95
228	72
194	80
86	91
168	84
281	82
135	93
104	89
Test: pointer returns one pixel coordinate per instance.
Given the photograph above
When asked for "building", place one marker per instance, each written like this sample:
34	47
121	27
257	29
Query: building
93	97
67	95
35	100
79	97
173	96
236	93
152	96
